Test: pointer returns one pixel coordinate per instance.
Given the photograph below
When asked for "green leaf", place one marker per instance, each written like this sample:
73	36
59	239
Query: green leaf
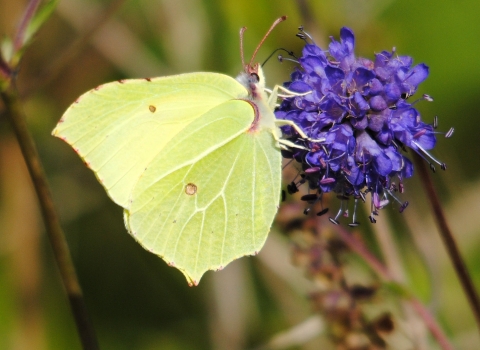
6	48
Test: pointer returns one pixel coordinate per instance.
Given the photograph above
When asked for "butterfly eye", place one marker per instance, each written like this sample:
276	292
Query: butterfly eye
254	78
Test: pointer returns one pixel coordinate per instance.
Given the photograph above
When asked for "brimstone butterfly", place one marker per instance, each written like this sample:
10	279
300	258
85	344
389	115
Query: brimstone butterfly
194	160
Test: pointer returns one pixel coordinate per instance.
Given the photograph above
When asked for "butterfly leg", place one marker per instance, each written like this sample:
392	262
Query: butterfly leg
297	129
287	143
274	95
272	103
289	93
272	100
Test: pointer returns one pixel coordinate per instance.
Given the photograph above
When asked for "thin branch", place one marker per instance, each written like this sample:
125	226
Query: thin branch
432	325
27	17
358	247
448	238
56	236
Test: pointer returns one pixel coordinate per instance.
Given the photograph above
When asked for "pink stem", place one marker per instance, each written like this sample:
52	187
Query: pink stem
358	247
27	17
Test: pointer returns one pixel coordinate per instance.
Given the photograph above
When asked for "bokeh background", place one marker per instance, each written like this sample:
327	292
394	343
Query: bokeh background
135	300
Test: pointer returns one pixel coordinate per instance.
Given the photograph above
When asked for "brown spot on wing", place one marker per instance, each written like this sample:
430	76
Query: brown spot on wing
191	189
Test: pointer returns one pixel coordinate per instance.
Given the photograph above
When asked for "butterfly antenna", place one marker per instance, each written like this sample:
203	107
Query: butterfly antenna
242	30
279	20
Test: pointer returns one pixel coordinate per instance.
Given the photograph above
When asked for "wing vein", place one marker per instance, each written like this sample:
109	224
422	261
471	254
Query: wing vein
254	185
200	236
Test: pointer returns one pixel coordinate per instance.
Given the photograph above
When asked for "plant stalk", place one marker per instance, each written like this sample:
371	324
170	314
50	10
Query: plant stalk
448	238
14	113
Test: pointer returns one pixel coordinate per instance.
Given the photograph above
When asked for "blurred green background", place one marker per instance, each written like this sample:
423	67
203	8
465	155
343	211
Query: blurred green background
135	300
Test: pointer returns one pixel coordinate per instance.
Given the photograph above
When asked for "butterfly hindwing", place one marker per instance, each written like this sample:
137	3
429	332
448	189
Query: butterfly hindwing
231	210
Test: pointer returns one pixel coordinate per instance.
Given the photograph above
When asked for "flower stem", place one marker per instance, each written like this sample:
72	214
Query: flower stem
358	247
55	234
448	239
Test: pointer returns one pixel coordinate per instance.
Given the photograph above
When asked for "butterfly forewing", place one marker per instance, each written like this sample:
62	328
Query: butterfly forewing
118	128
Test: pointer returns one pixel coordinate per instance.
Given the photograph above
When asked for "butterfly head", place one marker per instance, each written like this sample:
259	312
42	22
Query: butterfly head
253	79
253	73
252	76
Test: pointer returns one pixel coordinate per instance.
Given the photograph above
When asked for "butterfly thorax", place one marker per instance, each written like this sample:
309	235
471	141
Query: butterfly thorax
253	80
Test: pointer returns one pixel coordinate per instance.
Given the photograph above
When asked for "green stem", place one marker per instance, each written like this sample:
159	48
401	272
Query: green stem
448	239
55	234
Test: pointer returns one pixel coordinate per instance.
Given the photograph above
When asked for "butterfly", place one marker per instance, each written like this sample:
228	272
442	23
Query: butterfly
193	159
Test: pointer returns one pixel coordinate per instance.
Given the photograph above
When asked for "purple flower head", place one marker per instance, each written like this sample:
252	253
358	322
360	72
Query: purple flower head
358	120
